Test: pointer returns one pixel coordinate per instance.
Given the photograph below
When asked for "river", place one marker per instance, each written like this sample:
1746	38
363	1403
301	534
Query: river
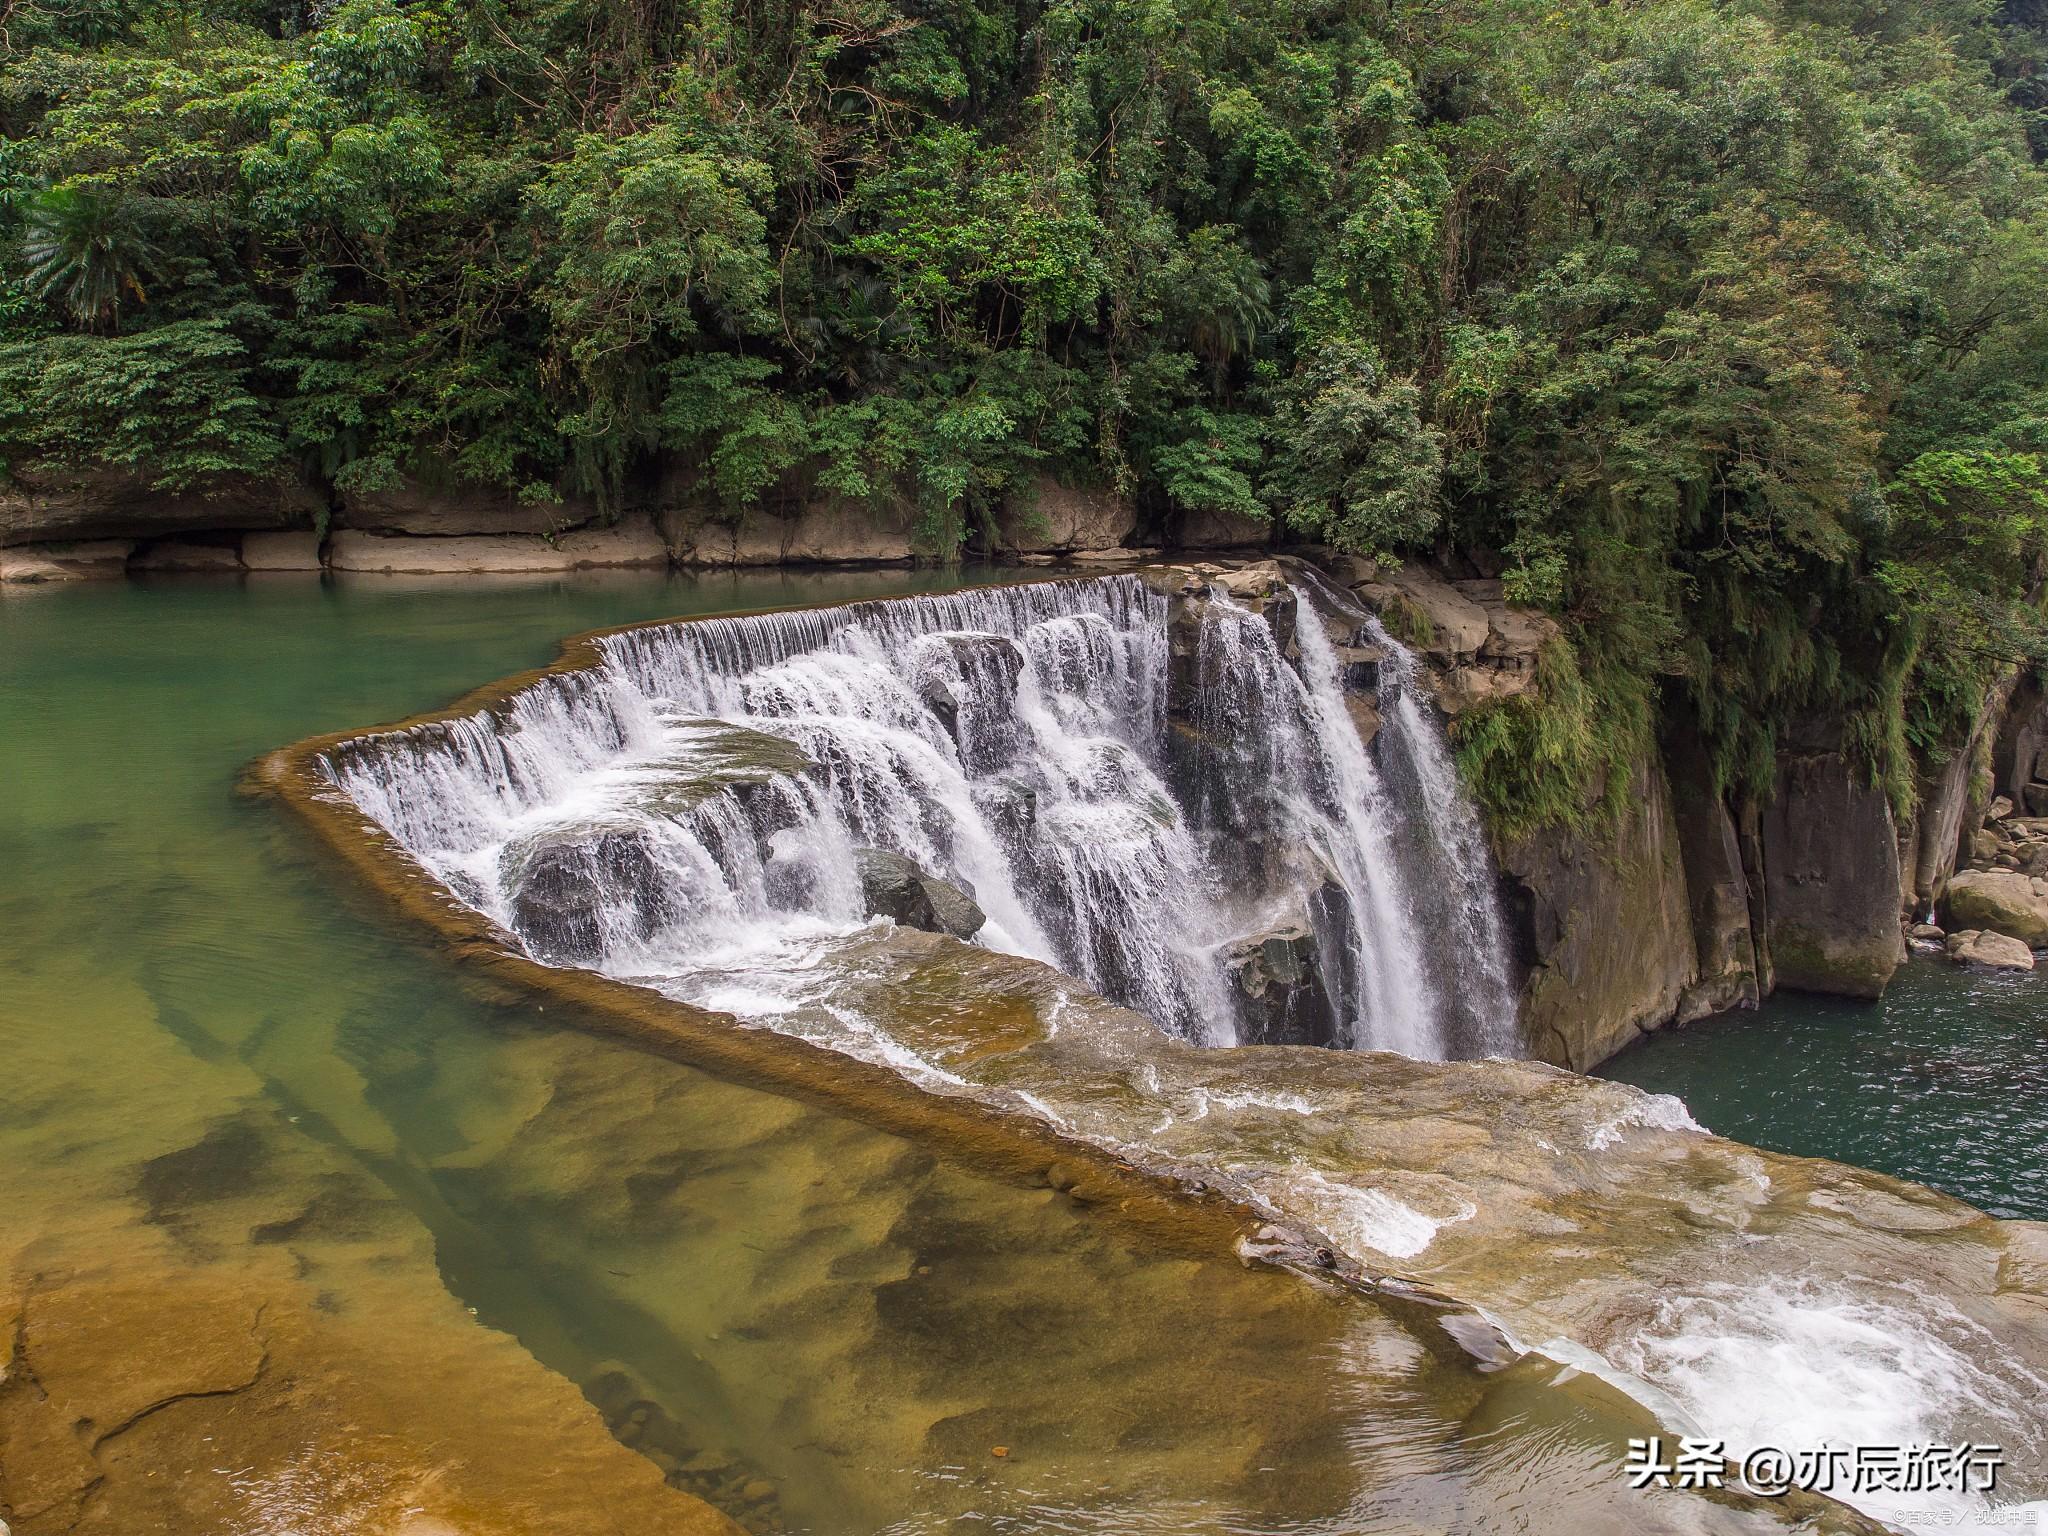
819	1326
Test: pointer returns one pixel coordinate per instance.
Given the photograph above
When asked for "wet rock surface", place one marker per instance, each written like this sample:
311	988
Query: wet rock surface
894	887
2007	901
1995	950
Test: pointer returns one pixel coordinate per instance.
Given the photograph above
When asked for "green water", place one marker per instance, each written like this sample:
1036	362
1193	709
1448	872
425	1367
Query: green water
817	1325
1944	1081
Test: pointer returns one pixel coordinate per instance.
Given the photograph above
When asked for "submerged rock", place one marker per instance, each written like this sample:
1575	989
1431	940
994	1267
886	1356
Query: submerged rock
895	887
1972	947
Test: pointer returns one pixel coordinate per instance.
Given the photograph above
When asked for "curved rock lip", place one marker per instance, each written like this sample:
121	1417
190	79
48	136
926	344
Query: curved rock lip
1580	1218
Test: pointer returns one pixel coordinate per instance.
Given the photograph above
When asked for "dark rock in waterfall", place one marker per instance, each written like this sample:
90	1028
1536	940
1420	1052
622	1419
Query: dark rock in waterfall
970	682
1276	977
894	887
575	891
1011	810
1364	710
1358	666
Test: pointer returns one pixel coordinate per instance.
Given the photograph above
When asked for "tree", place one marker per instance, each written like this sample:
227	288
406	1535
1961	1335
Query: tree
86	249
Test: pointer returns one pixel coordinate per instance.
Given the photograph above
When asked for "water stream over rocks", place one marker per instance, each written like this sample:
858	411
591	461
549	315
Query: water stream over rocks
1146	807
1159	793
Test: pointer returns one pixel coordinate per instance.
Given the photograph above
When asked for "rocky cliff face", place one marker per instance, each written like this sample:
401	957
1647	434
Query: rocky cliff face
1831	882
1687	905
1604	927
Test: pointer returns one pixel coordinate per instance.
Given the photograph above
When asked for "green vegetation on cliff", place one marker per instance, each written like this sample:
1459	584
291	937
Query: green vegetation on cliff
1721	330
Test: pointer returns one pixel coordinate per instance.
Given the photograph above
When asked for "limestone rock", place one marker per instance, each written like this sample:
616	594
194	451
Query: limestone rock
1831	873
1999	809
1996	950
281	551
1088	521
837	531
187	555
894	887
1602	926
1927	933
93	560
630	543
1717	888
44	503
2002	901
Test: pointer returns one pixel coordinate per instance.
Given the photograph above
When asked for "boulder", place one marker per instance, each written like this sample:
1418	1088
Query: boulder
1830	872
1456	626
281	551
1601	926
1999	808
2035	794
894	887
2003	901
1995	950
92	560
632	542
43	503
1086	521
1926	933
575	889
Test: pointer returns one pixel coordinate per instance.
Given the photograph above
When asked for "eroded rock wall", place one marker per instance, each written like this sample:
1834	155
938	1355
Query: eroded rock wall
1604	927
1830	872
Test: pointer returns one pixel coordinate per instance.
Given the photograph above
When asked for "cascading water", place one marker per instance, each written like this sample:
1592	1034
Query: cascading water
1159	792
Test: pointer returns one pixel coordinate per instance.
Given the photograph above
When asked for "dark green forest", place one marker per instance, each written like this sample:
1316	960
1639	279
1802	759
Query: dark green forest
1719	330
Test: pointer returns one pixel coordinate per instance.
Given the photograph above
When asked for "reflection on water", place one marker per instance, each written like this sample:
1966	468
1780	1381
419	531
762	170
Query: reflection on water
1944	1081
818	1326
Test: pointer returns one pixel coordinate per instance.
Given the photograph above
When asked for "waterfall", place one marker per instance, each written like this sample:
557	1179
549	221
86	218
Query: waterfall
1161	793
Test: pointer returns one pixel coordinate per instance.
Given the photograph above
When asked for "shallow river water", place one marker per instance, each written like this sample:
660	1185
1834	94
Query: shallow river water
817	1325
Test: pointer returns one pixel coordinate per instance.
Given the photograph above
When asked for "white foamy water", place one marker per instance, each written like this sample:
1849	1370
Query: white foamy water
711	783
1817	1362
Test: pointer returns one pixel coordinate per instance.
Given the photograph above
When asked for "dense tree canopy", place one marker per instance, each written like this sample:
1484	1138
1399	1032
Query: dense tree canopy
1719	329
